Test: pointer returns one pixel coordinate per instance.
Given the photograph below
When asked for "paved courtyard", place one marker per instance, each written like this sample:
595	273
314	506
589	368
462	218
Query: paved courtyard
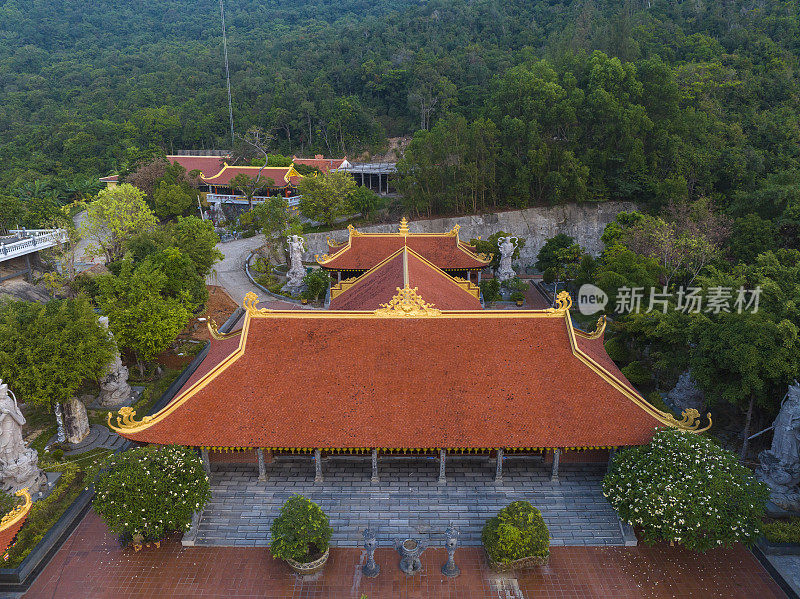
407	501
92	565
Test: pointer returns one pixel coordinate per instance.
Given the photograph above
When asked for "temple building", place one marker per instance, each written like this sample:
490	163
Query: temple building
206	165
362	251
403	269
322	164
424	371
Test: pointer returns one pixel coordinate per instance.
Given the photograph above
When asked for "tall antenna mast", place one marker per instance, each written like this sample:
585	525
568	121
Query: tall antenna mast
227	70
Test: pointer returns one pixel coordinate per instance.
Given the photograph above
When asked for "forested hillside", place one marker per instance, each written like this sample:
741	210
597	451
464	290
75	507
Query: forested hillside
548	101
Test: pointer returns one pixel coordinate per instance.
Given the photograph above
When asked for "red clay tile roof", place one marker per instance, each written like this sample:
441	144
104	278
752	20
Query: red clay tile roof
365	250
109	179
278	174
404	268
323	164
207	165
355	380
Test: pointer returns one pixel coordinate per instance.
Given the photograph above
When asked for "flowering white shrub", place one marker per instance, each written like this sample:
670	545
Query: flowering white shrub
684	488
151	491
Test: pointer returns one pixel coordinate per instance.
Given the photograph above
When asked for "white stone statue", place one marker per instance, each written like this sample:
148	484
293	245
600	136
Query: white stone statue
506	245
19	464
114	388
780	464
294	278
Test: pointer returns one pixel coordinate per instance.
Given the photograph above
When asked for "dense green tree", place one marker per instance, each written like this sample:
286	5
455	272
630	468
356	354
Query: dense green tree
49	351
144	318
327	197
114	217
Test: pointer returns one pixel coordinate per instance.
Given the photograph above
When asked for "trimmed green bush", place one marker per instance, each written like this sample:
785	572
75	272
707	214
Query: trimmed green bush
782	531
516	284
301	532
682	487
517	296
491	290
151	491
518	531
317	282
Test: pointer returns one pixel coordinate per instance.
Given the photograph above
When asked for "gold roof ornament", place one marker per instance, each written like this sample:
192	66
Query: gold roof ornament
404	227
213	330
407	304
454	231
563	302
599	329
353	231
19	511
335	244
125	419
690	421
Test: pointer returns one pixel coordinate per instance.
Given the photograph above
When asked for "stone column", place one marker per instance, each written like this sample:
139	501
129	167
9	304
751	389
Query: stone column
442	458
206	462
556	457
374	466
498	472
262	469
479	276
318	466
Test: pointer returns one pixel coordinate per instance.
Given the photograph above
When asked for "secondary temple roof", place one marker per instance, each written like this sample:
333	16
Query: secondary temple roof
280	175
405	268
362	251
405	376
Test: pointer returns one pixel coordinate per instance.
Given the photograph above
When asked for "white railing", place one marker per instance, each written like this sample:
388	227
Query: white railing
32	240
219	198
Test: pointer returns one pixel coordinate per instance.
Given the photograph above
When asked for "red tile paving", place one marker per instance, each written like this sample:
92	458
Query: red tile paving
91	565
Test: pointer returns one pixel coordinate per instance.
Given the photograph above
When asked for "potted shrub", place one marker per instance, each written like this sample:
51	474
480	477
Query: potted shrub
518	297
146	493
685	489
516	538
301	534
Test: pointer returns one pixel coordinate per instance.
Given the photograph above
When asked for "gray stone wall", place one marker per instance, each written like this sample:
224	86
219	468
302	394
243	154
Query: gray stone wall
584	222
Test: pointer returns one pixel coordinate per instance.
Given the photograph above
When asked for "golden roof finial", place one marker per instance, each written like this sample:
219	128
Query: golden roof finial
213	330
125	419
690	421
407	304
598	331
563	302
250	302
404	227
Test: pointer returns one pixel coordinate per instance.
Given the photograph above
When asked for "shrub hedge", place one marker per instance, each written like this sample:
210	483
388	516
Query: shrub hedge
301	532
682	487
518	531
151	491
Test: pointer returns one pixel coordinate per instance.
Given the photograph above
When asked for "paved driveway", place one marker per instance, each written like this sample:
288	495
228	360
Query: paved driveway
229	272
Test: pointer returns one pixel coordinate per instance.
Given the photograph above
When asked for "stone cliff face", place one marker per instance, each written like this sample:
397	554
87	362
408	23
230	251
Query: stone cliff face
583	222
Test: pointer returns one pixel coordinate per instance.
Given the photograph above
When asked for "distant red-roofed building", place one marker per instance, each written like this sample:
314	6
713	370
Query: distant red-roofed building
323	164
